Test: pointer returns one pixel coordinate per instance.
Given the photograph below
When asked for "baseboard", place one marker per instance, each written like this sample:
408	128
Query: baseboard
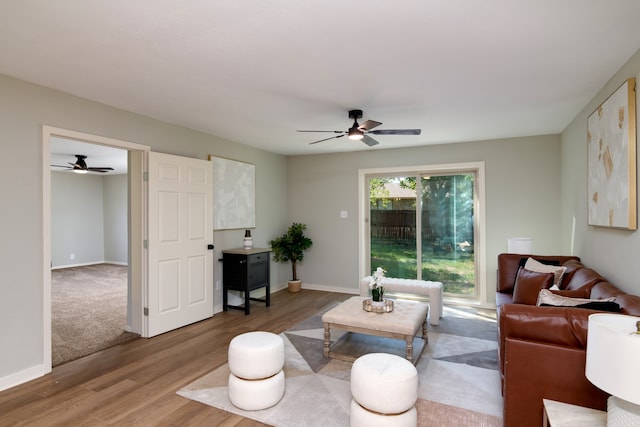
326	288
22	377
84	264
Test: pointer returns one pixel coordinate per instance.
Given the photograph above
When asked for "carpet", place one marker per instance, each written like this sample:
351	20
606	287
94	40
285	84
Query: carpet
88	310
459	384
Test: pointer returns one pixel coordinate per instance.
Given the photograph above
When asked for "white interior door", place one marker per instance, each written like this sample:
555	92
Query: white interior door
180	230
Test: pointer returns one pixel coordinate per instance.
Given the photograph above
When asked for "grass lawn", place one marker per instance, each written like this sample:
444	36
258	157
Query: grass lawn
455	271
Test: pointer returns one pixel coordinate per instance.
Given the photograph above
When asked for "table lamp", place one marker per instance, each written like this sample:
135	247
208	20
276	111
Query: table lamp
613	364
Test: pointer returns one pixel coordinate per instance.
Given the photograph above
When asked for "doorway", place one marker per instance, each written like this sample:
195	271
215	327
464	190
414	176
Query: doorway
89	245
136	159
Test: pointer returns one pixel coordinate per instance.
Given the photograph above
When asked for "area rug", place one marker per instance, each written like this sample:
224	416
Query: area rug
459	384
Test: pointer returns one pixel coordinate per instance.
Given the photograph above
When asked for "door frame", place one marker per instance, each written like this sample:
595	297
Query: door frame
138	160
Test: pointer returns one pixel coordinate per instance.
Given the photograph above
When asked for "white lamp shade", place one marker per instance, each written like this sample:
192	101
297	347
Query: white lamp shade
520	245
613	354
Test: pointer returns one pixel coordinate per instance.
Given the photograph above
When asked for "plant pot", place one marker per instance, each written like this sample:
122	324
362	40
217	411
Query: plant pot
294	285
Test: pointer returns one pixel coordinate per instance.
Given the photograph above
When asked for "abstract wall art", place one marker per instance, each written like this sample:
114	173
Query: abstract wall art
611	141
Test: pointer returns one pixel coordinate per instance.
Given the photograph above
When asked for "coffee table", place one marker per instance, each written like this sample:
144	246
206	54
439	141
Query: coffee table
403	323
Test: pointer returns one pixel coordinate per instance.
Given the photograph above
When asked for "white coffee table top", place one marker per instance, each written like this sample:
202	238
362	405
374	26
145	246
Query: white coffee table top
406	317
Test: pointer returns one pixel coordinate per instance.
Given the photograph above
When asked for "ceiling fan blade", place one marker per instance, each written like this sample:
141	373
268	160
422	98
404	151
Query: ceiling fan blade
369	124
61	166
326	139
397	132
96	169
332	131
369	141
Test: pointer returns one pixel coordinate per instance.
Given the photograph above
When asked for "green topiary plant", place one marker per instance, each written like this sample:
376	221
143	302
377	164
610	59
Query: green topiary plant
291	246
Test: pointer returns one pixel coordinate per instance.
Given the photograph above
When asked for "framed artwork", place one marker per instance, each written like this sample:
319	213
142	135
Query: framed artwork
611	141
234	194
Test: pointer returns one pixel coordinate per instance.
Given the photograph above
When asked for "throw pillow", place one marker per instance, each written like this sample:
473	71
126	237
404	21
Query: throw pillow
576	293
528	286
547	297
557	270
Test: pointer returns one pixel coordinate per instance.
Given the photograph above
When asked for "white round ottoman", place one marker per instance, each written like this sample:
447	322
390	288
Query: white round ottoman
256	355
256	380
253	395
386	386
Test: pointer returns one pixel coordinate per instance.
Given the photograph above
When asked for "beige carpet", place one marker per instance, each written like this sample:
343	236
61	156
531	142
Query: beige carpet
88	310
459	381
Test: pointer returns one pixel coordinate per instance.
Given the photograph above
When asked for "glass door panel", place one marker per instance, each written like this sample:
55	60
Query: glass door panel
392	225
447	237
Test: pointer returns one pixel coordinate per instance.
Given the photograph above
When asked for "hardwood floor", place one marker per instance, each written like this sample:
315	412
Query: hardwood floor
135	383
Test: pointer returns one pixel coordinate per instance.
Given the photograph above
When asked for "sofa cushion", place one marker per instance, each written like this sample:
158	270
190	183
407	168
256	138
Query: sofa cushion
572	266
557	270
528	286
583	277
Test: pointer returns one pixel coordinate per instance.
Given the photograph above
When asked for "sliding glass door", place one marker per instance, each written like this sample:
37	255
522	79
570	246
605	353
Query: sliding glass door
422	226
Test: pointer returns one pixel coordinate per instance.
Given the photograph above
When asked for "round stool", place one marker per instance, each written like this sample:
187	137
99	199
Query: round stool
256	380
386	386
361	417
256	355
253	395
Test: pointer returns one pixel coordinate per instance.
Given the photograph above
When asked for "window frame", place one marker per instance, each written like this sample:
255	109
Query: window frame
364	240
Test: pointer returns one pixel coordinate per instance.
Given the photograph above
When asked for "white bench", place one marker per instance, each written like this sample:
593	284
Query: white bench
408	286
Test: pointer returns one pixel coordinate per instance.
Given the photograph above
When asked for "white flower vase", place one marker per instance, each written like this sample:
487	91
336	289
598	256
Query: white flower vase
377	303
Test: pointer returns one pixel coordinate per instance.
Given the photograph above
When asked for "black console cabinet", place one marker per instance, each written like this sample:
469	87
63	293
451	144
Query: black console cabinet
245	270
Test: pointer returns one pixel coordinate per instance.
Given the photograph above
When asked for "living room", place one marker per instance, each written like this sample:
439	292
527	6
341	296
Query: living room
535	186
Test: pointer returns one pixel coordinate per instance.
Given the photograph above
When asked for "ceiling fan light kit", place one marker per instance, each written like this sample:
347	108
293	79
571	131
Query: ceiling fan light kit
358	132
80	166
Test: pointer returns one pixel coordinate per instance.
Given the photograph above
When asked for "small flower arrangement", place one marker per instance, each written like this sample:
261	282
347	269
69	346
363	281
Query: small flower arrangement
375	285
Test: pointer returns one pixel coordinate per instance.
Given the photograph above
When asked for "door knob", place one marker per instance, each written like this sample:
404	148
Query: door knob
210	247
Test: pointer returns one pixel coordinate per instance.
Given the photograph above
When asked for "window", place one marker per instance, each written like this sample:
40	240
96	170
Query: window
423	224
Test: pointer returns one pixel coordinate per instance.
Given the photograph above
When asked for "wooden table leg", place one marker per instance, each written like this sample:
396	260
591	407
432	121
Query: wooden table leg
409	341
327	339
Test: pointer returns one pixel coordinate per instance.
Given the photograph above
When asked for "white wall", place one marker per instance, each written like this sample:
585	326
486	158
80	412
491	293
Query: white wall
89	217
613	253
77	219
522	199
24	109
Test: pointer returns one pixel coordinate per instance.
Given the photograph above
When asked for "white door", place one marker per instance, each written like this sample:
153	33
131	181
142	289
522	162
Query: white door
180	231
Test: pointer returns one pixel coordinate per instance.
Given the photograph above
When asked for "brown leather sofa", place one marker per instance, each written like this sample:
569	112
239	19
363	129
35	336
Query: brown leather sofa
543	349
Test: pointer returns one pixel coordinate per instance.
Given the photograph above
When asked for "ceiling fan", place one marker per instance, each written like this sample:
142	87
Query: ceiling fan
362	131
80	166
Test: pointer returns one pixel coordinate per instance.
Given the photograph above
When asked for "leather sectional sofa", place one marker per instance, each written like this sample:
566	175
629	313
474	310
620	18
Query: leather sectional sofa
543	348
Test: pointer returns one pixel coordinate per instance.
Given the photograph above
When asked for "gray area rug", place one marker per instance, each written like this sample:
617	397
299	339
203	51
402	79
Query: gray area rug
88	310
459	381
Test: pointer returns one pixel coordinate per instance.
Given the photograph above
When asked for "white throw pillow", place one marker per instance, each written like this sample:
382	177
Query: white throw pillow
557	270
547	297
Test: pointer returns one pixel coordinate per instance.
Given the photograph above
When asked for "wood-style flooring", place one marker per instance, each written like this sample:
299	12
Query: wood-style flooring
135	384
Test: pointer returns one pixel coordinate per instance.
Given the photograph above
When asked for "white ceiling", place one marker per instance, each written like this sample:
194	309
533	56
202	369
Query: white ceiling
255	71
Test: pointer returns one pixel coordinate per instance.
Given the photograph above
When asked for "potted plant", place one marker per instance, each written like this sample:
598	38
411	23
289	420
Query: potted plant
290	247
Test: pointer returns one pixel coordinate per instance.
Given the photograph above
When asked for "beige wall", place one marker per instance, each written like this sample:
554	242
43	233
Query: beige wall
24	109
522	199
613	253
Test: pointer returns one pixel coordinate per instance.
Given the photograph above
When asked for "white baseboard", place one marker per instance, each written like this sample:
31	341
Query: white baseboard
22	377
337	289
84	264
